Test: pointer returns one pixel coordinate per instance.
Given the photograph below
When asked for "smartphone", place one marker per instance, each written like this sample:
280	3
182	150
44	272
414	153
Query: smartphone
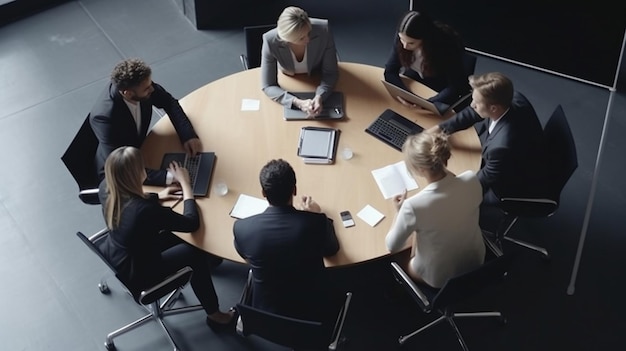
346	219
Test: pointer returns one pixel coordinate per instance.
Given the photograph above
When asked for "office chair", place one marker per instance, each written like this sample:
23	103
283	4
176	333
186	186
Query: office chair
287	331
149	298
442	301
254	41
79	158
469	66
561	162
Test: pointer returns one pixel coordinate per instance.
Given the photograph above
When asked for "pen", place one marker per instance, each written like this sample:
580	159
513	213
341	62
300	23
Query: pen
177	202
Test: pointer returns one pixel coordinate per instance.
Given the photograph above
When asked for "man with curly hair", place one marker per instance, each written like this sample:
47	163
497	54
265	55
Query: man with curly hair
121	115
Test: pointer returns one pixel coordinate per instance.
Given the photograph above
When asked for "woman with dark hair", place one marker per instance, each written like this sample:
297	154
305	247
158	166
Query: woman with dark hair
431	53
141	245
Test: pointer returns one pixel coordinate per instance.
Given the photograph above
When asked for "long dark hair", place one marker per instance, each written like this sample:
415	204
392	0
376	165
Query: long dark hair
441	44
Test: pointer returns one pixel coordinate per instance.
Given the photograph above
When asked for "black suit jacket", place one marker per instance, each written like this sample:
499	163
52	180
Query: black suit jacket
511	153
114	125
134	248
286	248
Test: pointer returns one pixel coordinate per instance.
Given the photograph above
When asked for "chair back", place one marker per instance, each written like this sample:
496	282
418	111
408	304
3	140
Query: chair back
466	285
79	159
282	330
561	158
254	41
469	66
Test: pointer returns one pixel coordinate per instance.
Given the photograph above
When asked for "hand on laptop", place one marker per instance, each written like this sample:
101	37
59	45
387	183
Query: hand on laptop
312	107
406	103
181	175
193	146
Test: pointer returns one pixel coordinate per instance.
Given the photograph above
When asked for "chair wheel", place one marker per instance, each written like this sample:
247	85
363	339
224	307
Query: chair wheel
502	320
104	288
546	258
110	347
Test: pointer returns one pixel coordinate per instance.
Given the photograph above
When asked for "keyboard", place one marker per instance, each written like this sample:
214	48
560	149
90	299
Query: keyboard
392	134
192	164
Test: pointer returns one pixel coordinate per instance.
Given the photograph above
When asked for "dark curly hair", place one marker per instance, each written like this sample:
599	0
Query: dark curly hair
129	73
278	180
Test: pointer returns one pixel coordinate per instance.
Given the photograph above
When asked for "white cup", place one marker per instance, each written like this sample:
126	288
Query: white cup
221	188
346	153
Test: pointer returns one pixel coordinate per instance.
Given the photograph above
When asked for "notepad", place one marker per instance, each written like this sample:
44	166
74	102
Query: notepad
370	215
247	206
392	180
318	145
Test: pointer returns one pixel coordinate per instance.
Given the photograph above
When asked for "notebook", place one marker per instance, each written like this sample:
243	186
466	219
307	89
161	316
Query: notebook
392	129
200	169
332	108
395	92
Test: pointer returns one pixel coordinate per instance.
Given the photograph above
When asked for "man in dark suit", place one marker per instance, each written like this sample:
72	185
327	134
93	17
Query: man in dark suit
121	115
510	134
286	248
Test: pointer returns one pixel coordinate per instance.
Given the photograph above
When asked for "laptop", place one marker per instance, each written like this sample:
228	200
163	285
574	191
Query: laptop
332	108
200	169
396	91
393	129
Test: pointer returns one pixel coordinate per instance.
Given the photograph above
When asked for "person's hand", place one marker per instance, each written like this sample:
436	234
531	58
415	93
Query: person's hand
305	106
433	130
406	103
193	146
172	192
309	205
180	174
316	105
398	200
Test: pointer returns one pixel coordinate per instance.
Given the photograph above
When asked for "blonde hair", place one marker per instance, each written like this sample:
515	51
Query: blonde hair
291	22
123	171
494	87
425	150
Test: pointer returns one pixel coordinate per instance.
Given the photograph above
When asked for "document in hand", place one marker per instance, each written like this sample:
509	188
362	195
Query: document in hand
394	179
247	206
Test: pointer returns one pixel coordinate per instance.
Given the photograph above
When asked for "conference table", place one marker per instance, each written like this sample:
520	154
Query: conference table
244	141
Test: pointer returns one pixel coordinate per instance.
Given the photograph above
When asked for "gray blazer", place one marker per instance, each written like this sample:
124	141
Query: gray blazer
321	56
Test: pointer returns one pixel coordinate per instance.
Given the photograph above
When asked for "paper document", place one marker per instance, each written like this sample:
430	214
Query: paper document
250	104
247	206
370	215
394	179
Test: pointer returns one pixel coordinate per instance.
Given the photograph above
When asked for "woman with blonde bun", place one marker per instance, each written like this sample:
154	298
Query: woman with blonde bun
443	215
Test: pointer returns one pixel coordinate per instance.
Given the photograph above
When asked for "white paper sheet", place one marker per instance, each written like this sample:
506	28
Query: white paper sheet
394	179
250	104
370	215
247	206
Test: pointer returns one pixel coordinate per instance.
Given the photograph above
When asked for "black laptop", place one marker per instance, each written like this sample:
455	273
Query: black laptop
393	129
200	169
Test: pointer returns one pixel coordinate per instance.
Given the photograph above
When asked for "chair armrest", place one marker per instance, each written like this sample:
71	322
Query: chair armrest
89	196
528	207
409	284
166	286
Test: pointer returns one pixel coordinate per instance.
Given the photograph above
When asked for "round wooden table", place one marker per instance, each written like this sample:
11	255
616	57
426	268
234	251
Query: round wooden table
244	141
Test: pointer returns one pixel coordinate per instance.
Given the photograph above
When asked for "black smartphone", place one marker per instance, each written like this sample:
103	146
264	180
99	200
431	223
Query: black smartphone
346	219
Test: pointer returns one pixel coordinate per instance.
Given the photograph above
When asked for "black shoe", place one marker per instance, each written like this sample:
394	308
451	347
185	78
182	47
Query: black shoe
218	327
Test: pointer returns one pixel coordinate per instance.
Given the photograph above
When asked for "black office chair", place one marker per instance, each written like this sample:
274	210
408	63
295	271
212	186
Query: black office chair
291	332
561	161
254	41
469	66
455	290
79	158
167	290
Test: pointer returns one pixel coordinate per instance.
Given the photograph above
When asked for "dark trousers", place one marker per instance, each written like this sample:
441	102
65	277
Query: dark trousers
176	254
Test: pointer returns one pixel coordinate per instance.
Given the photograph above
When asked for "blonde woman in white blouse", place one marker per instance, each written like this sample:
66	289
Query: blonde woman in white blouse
443	215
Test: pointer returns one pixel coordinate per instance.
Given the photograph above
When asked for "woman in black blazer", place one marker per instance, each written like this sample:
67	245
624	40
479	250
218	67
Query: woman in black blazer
141	245
430	53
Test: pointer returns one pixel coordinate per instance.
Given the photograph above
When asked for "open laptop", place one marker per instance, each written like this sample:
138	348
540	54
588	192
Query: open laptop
332	107
396	91
200	169
393	129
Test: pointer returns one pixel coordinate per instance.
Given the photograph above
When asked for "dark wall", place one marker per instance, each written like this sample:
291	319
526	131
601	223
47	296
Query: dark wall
578	39
17	9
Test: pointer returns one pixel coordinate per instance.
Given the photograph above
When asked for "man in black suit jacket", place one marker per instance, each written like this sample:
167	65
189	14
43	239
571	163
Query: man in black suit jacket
121	115
510	134
286	248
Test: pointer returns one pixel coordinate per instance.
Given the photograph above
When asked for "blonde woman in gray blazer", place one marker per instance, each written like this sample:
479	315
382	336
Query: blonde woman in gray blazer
299	45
